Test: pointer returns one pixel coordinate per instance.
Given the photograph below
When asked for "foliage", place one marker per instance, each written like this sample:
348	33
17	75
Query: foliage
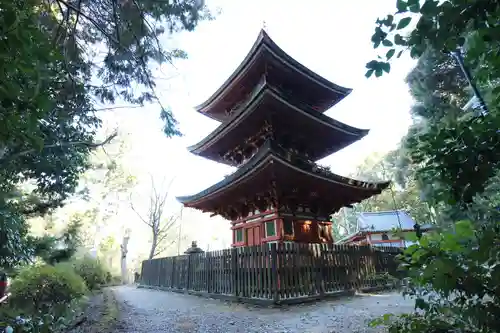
15	245
92	271
52	249
59	59
453	151
460	158
41	323
454	276
403	194
45	289
443	26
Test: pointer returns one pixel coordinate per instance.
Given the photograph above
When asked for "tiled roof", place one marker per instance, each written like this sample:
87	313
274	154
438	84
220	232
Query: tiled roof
385	221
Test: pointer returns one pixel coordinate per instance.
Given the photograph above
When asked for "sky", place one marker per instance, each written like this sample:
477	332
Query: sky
330	37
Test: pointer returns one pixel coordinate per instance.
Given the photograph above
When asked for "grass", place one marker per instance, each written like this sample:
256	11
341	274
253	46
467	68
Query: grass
110	311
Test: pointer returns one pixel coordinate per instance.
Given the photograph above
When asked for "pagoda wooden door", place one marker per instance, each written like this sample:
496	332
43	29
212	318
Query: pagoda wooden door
253	235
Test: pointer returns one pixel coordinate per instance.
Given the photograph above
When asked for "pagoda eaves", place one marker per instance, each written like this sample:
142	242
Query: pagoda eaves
317	134
267	177
267	57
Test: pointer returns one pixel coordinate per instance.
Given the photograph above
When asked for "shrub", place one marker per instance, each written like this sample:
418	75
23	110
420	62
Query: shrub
92	271
45	288
454	277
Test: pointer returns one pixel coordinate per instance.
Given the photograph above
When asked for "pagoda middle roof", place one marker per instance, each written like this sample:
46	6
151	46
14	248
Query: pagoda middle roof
271	163
319	134
259	60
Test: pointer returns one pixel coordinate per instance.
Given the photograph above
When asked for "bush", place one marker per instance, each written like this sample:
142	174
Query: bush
116	280
454	277
92	271
42	288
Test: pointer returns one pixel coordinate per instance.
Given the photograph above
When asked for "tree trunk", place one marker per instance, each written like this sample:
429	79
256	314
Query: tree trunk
153	246
123	262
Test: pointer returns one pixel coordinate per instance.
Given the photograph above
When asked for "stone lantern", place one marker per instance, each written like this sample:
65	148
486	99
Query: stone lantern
194	249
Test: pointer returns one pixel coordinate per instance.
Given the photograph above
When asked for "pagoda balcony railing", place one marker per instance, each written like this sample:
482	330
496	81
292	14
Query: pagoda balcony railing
290	96
302	161
286	95
292	155
247	99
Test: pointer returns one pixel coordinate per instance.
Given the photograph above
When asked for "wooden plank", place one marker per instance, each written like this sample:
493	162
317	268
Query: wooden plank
258	267
323	269
290	272
246	265
251	270
280	267
268	271
274	273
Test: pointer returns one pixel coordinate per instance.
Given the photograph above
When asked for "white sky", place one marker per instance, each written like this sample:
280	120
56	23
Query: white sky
330	37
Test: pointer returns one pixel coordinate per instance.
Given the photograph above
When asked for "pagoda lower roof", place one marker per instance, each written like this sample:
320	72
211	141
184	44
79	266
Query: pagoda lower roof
266	57
272	165
318	134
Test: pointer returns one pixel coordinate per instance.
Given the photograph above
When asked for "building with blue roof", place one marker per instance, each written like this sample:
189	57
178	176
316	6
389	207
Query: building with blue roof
377	229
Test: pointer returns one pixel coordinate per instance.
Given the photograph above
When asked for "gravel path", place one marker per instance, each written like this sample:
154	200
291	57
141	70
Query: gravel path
152	311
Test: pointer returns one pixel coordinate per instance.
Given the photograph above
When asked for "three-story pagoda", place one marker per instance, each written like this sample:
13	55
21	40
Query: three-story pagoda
273	130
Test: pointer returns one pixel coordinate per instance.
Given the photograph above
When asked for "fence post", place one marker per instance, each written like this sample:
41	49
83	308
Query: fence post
274	273
320	268
208	268
158	271
141	277
188	273
234	270
174	266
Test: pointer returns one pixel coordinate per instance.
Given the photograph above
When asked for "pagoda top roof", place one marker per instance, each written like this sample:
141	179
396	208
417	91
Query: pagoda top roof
262	44
319	130
271	156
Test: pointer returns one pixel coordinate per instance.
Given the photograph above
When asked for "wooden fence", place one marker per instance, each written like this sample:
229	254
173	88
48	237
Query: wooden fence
274	273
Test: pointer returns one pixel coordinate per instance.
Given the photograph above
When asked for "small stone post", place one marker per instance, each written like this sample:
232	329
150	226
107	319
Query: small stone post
190	251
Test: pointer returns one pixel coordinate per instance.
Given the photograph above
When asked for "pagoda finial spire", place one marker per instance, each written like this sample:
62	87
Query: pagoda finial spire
264	25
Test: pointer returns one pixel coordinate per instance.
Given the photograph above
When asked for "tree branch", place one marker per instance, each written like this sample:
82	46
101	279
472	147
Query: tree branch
139	215
87	144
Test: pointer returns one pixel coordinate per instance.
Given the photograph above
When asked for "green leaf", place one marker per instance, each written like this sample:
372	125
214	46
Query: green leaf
402	6
369	73
386	67
399	40
379	72
415	8
421	304
414	52
389	20
372	64
403	23
464	228
387	43
411	236
390	54
429	7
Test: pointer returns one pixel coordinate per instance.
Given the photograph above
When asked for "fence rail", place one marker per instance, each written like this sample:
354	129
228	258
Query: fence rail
274	273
